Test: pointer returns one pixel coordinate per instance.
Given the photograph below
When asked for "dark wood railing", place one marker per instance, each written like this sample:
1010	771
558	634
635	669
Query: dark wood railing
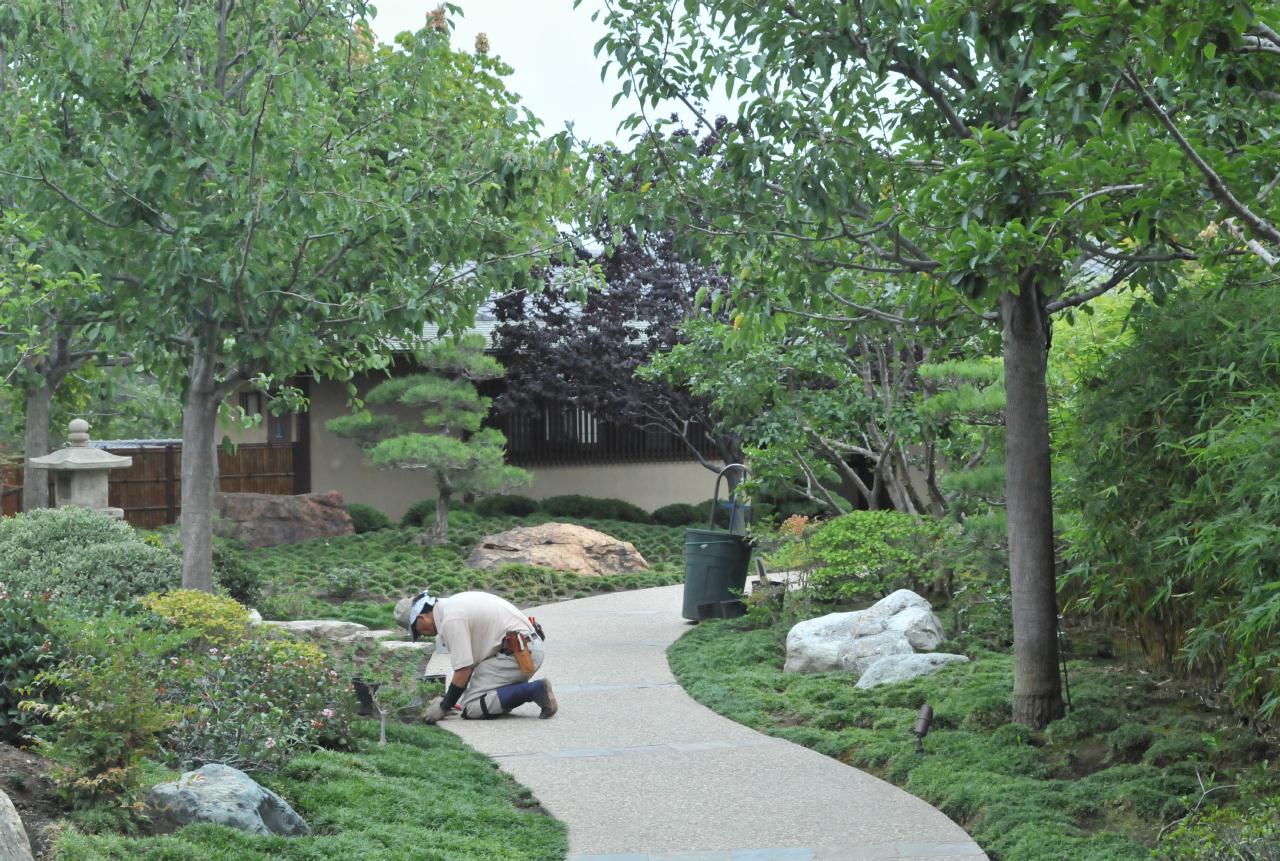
568	436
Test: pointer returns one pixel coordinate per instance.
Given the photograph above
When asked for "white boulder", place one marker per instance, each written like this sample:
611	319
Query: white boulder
322	629
14	845
895	625
899	668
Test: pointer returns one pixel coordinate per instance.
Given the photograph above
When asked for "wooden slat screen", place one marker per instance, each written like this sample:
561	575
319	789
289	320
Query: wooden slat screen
150	491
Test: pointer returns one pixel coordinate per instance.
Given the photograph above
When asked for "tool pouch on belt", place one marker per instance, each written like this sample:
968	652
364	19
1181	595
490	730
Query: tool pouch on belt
516	645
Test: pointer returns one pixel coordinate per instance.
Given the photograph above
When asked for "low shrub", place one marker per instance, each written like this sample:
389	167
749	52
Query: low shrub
366	518
1226	834
676	514
577	505
112	711
344	581
27	648
82	556
234	576
214	620
506	505
868	554
253	706
422	511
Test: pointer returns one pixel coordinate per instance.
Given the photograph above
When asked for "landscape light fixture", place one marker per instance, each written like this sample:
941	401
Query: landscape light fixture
923	719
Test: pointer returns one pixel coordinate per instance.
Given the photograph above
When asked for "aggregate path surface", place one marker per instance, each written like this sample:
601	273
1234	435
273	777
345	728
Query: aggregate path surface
640	772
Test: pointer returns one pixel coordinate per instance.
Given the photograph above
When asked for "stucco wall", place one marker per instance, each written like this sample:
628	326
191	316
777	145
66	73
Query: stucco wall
338	464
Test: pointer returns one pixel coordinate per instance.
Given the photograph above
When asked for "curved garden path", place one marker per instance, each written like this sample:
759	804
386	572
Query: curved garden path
641	772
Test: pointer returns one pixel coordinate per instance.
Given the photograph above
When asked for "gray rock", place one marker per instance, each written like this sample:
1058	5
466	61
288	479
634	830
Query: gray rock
14	845
224	796
367	637
899	668
396	645
825	644
321	629
859	653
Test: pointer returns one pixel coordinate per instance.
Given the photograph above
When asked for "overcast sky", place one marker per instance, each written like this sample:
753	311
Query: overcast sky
549	45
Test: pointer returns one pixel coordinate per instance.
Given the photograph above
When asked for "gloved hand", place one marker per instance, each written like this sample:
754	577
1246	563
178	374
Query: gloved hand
435	711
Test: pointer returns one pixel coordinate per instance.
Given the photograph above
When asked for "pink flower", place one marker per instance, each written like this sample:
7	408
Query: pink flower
271	742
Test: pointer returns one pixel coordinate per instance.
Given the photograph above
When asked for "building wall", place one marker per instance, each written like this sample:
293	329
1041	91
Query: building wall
338	464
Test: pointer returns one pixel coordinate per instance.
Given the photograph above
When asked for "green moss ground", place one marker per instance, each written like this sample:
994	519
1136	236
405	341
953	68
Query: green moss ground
1098	785
358	578
423	797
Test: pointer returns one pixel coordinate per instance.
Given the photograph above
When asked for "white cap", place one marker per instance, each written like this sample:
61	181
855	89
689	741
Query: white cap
422	603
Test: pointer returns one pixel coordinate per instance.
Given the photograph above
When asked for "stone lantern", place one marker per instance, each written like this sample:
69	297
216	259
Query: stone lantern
80	472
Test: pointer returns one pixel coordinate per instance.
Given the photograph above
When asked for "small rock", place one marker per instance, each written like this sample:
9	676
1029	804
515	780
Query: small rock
255	618
899	668
14	845
225	796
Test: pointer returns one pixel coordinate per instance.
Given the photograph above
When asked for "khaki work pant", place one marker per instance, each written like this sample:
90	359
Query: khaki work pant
480	699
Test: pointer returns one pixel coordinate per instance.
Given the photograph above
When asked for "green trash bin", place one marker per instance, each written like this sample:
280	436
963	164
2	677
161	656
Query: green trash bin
715	573
715	567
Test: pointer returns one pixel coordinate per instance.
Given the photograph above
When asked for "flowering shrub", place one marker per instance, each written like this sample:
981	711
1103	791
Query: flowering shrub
253	705
110	714
26	648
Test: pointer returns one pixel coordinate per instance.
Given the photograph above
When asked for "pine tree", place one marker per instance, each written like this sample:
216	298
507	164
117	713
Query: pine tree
445	437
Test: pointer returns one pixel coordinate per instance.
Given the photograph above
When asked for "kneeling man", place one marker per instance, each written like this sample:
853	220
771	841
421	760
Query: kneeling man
494	650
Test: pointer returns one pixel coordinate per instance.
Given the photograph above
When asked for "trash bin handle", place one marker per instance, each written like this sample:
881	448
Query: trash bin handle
715	497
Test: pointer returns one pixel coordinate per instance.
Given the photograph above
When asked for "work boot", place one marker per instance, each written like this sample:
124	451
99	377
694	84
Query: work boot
547	699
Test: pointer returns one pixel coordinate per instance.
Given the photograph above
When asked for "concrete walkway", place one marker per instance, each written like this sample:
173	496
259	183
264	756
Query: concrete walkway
641	772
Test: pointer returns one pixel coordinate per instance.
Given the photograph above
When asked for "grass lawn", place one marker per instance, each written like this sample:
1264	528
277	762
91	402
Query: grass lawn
423	797
358	578
1099	785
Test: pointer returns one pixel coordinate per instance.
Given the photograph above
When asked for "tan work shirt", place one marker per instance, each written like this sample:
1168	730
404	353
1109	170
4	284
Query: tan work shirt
472	624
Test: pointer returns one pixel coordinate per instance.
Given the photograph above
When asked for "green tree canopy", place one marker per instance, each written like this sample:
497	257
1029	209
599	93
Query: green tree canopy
267	191
921	162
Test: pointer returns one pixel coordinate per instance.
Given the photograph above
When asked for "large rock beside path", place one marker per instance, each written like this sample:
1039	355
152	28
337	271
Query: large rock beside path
225	796
14	845
265	520
562	546
899	624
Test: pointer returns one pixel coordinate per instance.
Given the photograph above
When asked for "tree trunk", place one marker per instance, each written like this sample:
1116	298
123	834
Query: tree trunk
35	481
199	472
1037	686
440	532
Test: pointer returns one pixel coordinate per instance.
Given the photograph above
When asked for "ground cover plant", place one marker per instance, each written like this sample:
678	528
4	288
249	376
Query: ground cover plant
359	578
424	795
1101	784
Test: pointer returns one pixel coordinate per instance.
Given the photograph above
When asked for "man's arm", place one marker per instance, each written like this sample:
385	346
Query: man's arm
462	676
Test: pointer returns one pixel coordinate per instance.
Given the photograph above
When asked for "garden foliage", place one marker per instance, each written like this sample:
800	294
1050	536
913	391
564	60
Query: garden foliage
868	554
82	556
1170	488
366	518
599	508
27	648
181	678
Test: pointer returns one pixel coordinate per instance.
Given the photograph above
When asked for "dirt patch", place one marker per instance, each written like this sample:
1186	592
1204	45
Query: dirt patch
23	779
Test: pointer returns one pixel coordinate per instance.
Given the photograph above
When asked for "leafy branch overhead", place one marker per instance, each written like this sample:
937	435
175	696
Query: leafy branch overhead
289	192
